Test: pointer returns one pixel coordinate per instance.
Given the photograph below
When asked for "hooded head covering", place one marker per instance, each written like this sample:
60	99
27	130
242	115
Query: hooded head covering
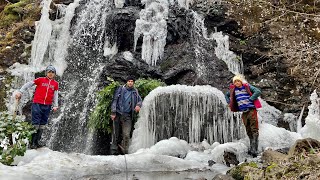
237	77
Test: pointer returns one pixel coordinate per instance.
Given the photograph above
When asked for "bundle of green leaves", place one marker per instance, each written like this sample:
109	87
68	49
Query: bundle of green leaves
15	135
100	117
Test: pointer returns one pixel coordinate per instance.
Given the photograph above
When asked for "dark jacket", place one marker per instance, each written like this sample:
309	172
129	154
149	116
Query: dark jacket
117	106
252	91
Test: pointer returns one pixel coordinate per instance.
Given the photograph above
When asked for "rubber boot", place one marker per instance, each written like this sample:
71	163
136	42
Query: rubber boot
125	145
250	146
114	149
34	140
39	132
255	142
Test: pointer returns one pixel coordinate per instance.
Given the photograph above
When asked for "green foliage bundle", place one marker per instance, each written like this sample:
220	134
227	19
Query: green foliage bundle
100	117
145	86
15	135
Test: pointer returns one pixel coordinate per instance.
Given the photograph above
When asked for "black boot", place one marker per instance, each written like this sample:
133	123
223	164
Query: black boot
114	149
250	146
39	132
34	140
254	146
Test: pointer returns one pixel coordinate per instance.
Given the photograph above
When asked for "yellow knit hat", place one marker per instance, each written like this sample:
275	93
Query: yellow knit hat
237	77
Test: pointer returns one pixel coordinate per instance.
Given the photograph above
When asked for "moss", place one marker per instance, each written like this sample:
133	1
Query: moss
4	87
7	20
243	42
237	172
16	8
270	167
253	164
20	11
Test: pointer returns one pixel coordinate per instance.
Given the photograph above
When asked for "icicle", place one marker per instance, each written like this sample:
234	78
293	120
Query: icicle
41	37
153	26
312	127
299	124
119	3
186	112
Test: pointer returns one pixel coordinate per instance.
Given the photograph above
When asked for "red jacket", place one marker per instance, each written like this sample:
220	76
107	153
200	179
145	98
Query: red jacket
45	90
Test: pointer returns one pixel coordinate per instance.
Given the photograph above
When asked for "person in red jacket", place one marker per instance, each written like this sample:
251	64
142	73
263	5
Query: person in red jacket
45	98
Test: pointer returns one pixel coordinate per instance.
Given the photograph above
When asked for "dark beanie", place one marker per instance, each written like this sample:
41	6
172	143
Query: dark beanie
130	78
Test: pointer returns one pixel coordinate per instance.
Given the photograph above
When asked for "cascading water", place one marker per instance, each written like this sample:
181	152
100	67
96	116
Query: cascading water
60	38
189	113
80	81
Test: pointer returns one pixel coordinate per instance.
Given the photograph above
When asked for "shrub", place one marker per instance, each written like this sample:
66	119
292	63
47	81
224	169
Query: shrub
15	135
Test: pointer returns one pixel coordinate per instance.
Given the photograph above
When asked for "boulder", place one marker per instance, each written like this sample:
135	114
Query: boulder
304	145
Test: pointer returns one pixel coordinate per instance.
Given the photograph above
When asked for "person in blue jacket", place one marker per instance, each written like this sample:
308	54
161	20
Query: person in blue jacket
126	101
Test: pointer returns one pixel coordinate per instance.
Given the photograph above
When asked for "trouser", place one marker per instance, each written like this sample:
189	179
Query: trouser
250	120
40	113
121	128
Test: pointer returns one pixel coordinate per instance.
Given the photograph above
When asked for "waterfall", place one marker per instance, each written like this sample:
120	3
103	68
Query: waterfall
186	112
234	63
91	24
80	82
60	38
153	26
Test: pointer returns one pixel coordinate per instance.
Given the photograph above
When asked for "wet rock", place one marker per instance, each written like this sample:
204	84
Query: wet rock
119	68
230	158
122	24
211	162
283	150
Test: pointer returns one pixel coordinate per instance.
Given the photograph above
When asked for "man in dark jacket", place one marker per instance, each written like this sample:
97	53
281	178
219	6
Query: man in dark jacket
126	101
243	97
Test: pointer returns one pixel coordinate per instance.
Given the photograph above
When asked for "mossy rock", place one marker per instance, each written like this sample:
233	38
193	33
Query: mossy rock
16	8
20	11
248	170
